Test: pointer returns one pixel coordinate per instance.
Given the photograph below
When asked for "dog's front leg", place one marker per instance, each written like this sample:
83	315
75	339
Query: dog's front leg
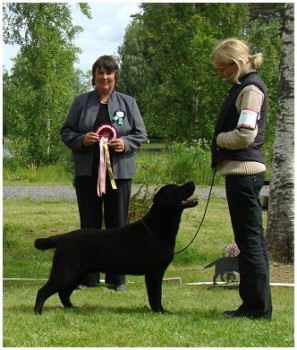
154	290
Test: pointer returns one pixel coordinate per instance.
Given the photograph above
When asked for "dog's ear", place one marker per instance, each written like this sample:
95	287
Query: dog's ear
162	197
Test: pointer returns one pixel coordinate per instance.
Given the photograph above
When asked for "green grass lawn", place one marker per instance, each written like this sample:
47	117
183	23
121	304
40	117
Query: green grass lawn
104	318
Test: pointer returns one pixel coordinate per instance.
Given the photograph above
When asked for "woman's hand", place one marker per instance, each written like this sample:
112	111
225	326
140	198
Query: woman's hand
118	145
90	138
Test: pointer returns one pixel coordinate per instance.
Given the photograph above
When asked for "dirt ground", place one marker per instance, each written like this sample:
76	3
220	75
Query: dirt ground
281	273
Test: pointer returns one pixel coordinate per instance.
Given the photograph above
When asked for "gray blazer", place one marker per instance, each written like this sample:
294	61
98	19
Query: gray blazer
80	120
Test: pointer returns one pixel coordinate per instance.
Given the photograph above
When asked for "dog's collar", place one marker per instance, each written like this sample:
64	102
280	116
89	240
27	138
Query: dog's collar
147	228
155	238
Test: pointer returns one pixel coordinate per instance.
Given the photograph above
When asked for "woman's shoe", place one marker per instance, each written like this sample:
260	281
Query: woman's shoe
240	313
120	288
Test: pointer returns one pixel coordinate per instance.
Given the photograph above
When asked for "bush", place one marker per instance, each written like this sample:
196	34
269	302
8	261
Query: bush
140	203
179	163
188	161
46	174
175	163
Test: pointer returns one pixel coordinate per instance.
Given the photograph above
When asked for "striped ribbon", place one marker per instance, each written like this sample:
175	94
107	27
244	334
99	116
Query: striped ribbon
104	165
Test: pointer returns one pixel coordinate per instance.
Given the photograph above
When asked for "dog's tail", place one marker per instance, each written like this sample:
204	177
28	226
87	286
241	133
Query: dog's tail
47	243
210	265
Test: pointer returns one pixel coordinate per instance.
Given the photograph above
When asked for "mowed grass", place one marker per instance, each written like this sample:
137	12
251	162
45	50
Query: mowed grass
104	318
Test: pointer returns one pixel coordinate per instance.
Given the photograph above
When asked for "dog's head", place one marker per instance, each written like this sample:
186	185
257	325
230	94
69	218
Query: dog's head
177	196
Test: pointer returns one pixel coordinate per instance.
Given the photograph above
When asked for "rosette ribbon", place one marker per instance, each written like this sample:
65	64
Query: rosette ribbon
105	133
118	117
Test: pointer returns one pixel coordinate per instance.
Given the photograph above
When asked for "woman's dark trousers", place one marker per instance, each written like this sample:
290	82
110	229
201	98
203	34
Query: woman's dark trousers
246	217
113	205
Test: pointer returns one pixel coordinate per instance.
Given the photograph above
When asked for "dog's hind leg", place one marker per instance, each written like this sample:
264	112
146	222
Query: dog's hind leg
222	277
64	296
65	293
43	294
154	290
214	279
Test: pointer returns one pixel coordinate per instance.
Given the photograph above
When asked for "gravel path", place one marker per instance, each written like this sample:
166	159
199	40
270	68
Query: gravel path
38	192
67	192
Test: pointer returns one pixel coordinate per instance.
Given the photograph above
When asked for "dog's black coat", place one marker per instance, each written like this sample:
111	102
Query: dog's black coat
145	247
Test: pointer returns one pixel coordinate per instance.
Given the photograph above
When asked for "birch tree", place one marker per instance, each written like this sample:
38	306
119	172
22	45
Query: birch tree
40	88
280	228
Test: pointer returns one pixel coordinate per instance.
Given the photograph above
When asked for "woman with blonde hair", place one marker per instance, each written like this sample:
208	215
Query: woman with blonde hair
237	154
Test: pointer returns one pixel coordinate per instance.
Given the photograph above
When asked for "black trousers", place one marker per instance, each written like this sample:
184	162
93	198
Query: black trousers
112	209
246	217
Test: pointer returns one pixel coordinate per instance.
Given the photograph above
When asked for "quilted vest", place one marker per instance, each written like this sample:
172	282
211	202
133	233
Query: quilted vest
228	120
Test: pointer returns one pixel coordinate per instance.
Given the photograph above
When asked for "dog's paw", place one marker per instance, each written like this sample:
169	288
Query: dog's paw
159	310
38	311
165	312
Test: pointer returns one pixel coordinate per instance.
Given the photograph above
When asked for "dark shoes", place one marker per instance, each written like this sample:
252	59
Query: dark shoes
120	288
82	287
244	313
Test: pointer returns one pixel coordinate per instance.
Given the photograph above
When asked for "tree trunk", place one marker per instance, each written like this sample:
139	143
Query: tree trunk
48	130
195	105
280	228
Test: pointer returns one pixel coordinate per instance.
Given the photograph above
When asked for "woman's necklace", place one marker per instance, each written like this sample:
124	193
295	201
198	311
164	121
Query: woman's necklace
104	99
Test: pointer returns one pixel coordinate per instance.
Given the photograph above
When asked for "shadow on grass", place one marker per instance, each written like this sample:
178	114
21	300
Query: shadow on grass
91	310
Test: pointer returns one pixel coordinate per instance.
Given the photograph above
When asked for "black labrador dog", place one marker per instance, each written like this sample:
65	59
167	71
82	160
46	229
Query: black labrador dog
145	247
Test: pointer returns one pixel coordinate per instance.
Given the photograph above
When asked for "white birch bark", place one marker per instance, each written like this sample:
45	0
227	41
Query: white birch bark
280	227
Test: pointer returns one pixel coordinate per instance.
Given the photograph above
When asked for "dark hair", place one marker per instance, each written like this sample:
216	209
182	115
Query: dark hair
108	63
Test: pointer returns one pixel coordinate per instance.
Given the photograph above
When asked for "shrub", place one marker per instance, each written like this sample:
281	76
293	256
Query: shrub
178	163
188	161
140	203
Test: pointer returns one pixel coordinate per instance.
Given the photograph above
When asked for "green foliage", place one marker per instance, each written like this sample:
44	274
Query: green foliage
165	63
178	93
133	68
140	203
167	99
179	163
41	87
49	174
174	163
188	161
266	39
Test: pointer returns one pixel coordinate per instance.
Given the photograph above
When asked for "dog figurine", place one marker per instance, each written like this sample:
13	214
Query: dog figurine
231	277
223	266
145	247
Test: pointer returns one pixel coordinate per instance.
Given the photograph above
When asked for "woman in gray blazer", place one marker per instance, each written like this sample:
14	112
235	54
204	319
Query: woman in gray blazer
109	122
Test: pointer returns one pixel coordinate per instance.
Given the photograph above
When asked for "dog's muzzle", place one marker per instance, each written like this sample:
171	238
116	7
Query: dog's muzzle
189	203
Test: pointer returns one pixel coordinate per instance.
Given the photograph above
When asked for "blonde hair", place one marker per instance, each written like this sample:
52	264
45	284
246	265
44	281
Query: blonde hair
236	51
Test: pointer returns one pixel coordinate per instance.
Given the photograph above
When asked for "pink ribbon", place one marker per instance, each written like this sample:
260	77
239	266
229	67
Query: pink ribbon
101	183
104	165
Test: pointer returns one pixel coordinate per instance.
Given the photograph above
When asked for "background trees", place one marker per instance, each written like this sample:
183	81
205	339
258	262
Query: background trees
179	93
165	64
38	92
